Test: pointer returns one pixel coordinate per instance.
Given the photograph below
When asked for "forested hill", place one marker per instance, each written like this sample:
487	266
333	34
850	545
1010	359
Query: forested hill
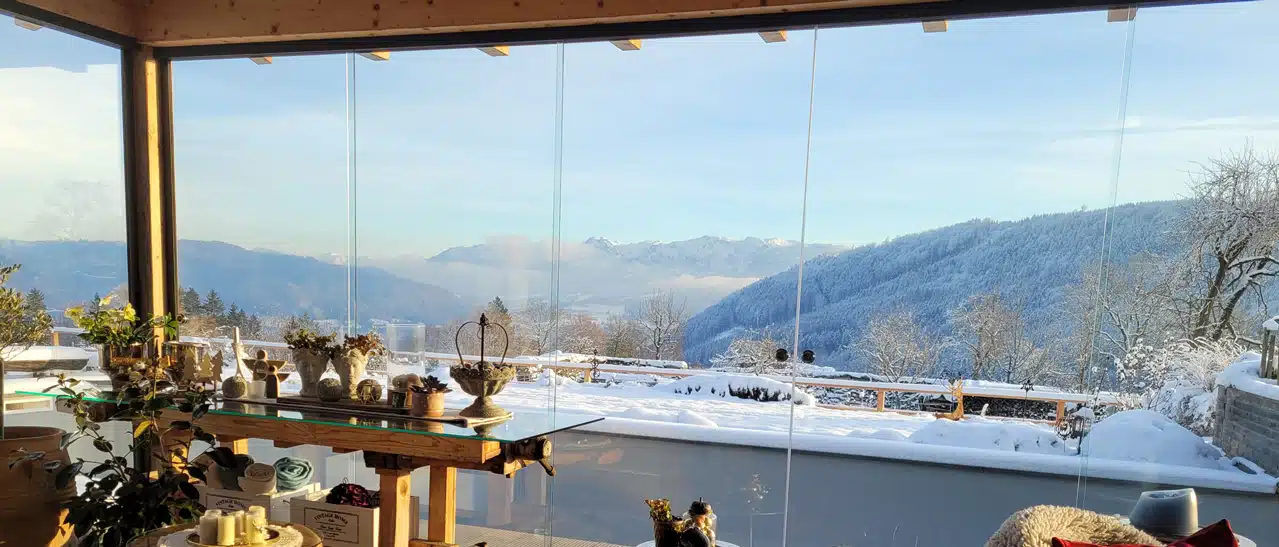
1033	261
260	282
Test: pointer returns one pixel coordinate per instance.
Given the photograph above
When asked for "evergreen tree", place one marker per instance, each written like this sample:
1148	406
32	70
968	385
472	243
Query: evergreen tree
253	328
497	306
213	305
93	306
190	302
35	301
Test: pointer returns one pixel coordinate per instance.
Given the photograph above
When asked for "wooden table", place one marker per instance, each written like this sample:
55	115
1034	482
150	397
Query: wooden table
152	539
394	447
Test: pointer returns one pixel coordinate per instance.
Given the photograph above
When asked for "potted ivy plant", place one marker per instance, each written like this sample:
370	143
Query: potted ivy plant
30	510
121	334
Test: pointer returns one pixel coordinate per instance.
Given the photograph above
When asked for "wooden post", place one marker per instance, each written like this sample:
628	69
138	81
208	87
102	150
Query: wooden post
148	171
1061	412
442	526
53	336
238	445
879	400
588	376
394	512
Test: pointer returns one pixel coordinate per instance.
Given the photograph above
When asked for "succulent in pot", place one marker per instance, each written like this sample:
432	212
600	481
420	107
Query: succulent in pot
351	358
482	379
311	353
428	397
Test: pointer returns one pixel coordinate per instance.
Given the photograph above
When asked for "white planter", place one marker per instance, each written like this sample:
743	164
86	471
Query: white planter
275	503
343	525
350	367
311	366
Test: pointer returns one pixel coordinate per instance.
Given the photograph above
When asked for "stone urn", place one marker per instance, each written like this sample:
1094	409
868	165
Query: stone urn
350	366
311	365
482	380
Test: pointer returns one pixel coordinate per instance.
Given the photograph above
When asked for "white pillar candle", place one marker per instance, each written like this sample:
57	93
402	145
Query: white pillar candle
226	530
209	526
257	389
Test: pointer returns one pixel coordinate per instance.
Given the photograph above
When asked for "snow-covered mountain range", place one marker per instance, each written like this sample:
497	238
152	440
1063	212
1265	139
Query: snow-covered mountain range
599	275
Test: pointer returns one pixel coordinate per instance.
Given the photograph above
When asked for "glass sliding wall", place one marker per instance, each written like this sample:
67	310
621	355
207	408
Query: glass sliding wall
1197	183
62	190
967	176
457	183
683	183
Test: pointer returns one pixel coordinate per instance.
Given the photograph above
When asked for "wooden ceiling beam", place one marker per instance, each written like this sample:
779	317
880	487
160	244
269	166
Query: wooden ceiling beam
118	16
206	22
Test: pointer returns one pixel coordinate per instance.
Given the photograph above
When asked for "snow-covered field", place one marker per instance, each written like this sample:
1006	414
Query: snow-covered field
1133	445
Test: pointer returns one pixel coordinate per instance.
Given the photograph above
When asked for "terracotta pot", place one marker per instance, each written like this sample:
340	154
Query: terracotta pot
427	405
350	367
31	512
483	382
311	366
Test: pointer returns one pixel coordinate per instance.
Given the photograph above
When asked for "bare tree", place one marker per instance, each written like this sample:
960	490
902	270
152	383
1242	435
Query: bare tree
897	347
754	353
983	326
661	318
534	327
1232	226
622	336
581	333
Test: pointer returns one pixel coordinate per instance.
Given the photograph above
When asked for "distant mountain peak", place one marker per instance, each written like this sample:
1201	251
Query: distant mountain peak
602	243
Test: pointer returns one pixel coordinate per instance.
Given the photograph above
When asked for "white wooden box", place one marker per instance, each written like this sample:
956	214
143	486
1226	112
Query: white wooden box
343	525
235	500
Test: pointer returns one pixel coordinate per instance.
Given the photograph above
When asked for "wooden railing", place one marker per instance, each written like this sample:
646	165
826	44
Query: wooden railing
881	389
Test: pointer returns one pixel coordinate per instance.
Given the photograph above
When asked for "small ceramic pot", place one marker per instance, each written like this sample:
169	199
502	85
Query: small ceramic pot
427	405
311	366
350	367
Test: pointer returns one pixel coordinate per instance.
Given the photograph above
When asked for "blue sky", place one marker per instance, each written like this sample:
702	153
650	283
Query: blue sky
1000	118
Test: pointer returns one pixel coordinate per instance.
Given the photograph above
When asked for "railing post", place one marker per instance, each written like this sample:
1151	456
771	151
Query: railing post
53	337
1061	411
879	400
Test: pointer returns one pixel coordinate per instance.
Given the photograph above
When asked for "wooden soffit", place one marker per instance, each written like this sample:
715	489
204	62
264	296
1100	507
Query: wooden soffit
169	23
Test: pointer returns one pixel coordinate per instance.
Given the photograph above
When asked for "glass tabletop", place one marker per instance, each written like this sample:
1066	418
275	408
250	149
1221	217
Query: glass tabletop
523	424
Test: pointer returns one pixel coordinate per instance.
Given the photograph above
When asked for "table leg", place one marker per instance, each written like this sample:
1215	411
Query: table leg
238	445
394	510
442	525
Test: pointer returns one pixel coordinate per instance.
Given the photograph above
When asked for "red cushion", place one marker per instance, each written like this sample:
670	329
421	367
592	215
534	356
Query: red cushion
1217	535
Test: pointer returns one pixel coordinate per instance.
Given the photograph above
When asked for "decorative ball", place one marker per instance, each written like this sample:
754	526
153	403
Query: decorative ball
404	381
330	390
234	387
368	391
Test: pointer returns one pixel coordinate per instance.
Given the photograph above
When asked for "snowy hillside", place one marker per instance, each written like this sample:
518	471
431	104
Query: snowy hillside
1032	260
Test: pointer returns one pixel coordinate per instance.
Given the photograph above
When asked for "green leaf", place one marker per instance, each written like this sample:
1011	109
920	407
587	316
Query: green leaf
189	490
51	465
66	475
102	445
181	425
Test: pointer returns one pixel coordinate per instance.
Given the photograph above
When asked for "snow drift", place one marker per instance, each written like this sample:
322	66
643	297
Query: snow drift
755	388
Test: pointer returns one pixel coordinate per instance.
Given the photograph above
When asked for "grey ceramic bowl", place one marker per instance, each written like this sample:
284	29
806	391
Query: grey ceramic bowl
1167	514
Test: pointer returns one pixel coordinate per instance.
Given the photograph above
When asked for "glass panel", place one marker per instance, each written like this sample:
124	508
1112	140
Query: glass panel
63	191
1198	181
521	426
457	188
963	181
261	195
262	204
683	183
